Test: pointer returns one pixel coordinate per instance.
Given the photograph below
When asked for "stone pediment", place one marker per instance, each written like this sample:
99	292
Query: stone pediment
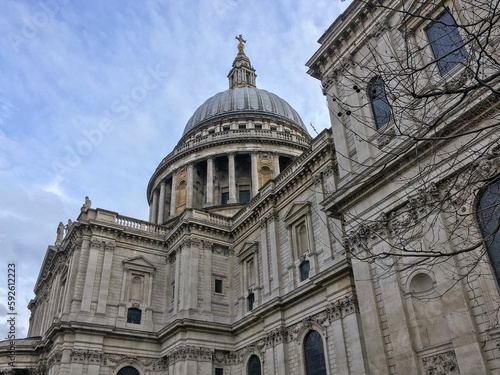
139	263
296	210
248	248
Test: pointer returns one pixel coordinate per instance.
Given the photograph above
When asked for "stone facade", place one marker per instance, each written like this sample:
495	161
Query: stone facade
262	240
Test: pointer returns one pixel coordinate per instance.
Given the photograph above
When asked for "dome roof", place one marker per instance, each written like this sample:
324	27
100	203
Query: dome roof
244	100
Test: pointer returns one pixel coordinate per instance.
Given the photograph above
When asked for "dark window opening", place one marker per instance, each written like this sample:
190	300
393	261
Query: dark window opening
242	126
253	366
218	286
378	99
488	215
219	371
224	198
313	354
304	270
134	315
446	43
258	126
248	77
128	370
244	196
250	301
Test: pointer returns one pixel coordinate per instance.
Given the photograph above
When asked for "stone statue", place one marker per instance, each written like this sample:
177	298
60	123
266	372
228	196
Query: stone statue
60	233
87	204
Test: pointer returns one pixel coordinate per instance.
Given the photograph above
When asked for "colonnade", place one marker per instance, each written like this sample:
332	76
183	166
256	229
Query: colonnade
167	202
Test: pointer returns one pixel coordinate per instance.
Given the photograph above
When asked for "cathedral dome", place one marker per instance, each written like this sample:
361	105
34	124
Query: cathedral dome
246	101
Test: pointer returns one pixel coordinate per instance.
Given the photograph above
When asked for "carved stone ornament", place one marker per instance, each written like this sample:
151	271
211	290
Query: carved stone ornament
386	137
441	364
406	217
221	250
96	242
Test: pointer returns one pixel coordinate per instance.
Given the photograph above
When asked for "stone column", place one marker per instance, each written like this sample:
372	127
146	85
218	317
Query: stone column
232	179
255	174
210	182
106	273
154	208
190	186
173	194
276	160
161	205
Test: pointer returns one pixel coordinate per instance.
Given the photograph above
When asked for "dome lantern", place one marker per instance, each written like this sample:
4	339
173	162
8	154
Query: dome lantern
242	74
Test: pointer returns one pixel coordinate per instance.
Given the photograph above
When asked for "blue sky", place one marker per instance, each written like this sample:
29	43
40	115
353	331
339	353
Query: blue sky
94	94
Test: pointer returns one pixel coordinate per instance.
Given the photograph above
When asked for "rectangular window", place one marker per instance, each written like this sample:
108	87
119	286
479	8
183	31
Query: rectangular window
250	301
446	43
134	315
219	371
224	198
244	196
218	286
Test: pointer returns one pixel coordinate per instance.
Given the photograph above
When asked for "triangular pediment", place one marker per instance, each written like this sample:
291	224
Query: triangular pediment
248	248
296	210
139	262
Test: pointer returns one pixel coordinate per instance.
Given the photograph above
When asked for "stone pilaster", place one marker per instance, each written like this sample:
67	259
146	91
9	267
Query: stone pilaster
265	264
273	248
95	245
106	274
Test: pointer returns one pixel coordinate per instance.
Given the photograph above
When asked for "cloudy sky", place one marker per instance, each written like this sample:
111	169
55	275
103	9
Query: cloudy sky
93	94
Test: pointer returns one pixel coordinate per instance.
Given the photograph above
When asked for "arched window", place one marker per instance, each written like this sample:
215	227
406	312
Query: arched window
253	366
304	268
488	215
378	100
303	242
446	43
314	355
134	315
128	370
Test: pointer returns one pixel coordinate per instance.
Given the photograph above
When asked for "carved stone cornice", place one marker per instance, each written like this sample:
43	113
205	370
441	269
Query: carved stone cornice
187	352
223	250
87	356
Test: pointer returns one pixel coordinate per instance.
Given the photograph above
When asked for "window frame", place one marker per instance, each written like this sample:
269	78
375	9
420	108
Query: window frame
304	353
137	313
381	109
254	357
443	52
221	282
